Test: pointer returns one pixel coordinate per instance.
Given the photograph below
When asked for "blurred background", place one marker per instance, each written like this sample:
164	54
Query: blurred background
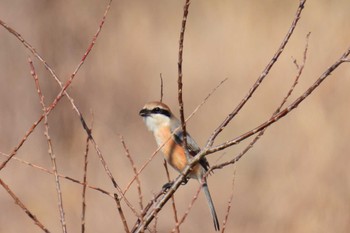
295	179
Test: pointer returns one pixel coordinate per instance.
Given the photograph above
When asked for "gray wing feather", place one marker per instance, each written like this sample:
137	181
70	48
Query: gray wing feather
192	146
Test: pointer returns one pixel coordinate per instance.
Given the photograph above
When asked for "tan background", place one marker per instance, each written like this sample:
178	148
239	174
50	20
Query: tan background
295	179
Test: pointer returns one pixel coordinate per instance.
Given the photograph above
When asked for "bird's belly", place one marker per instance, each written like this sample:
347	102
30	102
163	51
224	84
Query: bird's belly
175	154
176	157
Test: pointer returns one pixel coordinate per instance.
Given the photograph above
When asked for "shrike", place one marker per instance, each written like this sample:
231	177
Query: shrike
160	120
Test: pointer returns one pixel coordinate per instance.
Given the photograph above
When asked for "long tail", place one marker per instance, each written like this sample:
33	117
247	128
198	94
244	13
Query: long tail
211	206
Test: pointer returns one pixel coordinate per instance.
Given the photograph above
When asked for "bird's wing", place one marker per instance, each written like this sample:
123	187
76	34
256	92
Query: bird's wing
192	147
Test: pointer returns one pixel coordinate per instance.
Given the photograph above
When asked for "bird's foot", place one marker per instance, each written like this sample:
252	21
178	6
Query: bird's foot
167	186
184	180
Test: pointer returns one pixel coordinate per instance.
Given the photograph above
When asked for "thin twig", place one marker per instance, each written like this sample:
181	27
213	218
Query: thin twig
154	224
161	87
177	228
60	175
83	211
60	95
121	213
229	204
127	153
260	79
195	197
63	88
261	133
20	204
50	150
146	209
179	80
288	109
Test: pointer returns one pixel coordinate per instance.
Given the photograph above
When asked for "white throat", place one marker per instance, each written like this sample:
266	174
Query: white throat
155	122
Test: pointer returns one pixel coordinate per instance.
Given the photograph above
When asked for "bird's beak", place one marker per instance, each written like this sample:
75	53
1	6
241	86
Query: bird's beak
144	112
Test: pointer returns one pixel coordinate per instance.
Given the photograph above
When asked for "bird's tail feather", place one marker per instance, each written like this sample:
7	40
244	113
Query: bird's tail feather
211	206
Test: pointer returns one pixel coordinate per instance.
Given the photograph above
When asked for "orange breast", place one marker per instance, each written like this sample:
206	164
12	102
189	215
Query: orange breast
174	153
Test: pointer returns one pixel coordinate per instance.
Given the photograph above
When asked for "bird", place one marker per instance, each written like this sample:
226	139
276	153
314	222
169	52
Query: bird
167	130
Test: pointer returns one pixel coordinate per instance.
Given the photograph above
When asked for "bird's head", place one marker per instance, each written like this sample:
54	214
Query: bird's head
156	115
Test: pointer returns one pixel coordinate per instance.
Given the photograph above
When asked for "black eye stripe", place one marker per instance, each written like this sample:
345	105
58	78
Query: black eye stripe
161	111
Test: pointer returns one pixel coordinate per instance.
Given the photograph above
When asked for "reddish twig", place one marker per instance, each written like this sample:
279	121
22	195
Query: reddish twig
154	224
83	211
261	133
229	204
285	111
260	79
146	209
179	80
60	175
50	150
60	95
195	197
127	153
121	213
177	228
62	92
20	204
161	87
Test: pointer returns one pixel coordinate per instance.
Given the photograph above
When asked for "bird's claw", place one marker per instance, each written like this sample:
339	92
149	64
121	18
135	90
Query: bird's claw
184	181
167	186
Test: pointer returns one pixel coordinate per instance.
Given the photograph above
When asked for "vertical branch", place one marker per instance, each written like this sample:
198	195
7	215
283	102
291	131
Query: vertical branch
50	151
83	211
20	204
177	228
161	87
195	197
229	203
179	81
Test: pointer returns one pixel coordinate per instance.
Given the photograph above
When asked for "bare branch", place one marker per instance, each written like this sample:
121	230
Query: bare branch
60	175
127	153
20	204
60	95
121	213
261	133
195	197
179	81
161	87
285	111
145	210
50	151
261	78
83	211
229	204
62	92
177	228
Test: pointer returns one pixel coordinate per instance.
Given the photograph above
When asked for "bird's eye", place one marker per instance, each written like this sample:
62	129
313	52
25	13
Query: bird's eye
156	110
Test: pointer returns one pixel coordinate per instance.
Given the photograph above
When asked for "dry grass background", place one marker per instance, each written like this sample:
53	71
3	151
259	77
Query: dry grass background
296	178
